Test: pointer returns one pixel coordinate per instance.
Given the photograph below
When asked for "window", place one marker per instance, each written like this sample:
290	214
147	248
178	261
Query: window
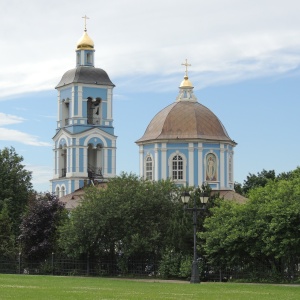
149	168
63	191
177	167
89	58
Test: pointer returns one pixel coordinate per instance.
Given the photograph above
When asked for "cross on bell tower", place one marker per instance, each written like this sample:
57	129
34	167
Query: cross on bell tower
85	18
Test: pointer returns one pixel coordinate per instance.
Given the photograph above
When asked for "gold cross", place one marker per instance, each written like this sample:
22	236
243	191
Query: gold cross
85	17
186	66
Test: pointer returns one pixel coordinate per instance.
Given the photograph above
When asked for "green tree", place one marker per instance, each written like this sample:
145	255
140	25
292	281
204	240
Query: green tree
265	230
128	218
7	239
39	226
261	179
15	185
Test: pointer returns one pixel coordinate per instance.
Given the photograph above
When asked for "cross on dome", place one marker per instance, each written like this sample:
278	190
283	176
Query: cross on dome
186	66
85	18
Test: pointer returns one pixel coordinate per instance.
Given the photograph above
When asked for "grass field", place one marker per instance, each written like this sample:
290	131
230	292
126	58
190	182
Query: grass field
61	288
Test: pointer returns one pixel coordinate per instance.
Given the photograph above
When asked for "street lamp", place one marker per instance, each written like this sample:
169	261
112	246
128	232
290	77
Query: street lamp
185	197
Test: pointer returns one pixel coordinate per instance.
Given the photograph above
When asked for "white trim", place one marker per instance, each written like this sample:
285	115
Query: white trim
79	100
191	164
200	164
152	166
170	165
109	103
155	162
141	156
91	136
163	165
222	169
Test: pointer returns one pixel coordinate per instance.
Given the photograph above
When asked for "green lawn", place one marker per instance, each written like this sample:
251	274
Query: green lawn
61	288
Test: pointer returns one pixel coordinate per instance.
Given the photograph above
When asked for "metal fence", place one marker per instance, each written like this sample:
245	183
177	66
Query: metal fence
75	267
56	265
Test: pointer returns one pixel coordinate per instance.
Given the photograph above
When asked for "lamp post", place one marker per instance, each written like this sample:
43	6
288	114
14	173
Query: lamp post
185	197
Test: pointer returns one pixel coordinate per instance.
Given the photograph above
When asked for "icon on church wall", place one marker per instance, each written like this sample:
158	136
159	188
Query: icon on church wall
211	167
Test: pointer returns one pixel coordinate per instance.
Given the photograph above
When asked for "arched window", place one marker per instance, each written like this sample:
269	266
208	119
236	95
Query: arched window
57	191
149	168
211	167
63	191
177	167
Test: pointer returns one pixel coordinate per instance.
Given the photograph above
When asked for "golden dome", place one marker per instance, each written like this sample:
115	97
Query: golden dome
186	83
85	42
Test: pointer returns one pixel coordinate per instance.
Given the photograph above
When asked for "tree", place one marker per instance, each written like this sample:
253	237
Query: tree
39	226
7	239
253	181
131	217
15	185
265	230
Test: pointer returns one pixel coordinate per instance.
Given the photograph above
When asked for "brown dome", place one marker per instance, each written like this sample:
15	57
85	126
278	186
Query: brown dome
185	120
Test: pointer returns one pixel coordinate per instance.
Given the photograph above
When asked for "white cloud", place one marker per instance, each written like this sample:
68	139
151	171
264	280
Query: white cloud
6	119
40	177
230	39
21	137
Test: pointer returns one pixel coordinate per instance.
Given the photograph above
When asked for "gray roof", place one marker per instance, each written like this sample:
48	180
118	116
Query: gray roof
87	75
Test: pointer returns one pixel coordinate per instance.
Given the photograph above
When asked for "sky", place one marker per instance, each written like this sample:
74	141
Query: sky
245	58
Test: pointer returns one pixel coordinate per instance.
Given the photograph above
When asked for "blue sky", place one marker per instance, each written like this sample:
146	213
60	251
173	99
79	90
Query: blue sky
245	68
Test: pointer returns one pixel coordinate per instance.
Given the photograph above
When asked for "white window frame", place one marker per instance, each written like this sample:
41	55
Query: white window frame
184	164
149	156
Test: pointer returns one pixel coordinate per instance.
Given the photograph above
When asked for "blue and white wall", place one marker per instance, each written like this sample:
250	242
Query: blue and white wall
195	163
84	136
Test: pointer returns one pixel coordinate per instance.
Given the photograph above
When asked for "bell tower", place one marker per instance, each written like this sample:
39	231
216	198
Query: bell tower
84	142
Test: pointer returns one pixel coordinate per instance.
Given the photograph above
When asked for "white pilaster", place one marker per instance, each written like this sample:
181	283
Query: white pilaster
200	165
222	170
109	103
164	163
191	164
113	162
105	161
79	110
141	154
156	161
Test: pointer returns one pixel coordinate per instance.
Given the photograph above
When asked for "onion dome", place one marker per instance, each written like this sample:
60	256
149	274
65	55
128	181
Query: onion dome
85	42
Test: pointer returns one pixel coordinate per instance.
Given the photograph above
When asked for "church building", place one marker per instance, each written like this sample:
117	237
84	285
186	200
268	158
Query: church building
188	143
84	142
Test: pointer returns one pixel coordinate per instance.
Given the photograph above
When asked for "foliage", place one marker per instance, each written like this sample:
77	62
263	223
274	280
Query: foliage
15	185
39	227
259	180
7	239
131	217
169	266
265	229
